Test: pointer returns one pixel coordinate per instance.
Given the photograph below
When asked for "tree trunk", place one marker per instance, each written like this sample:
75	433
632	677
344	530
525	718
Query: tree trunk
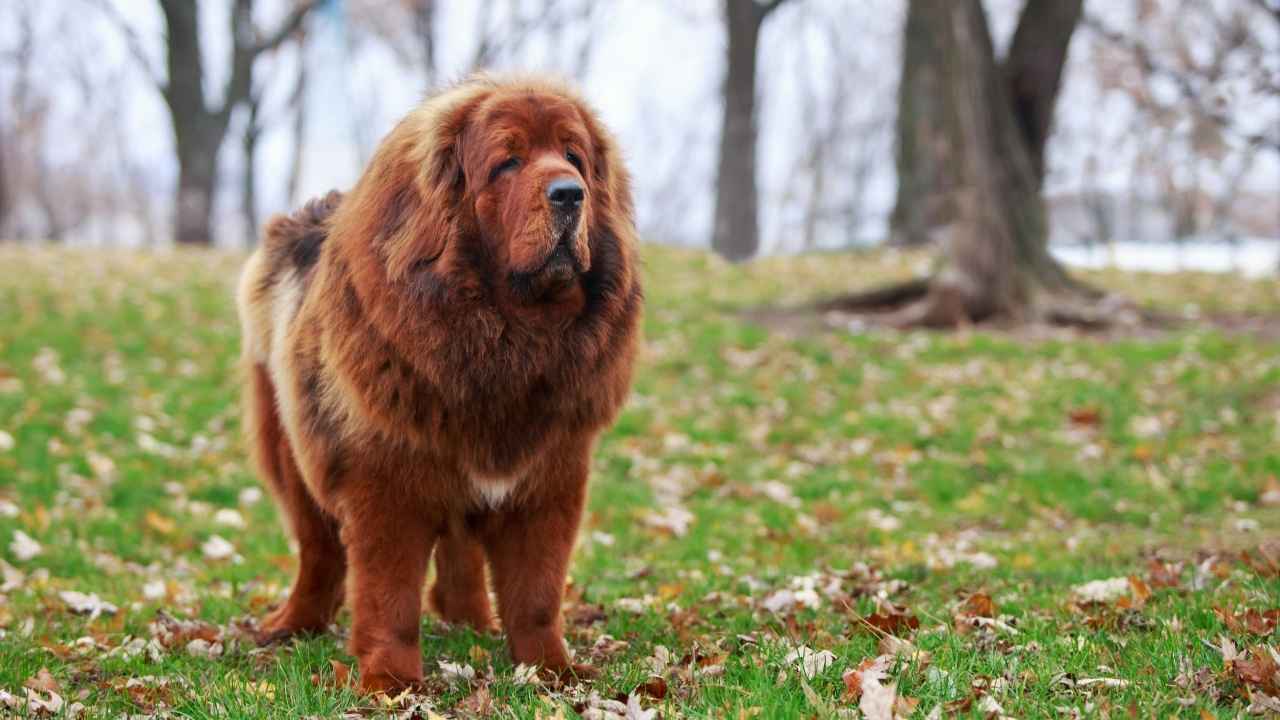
996	246
198	129
195	128
249	176
736	231
6	199
923	154
1033	70
972	143
299	102
424	26
1032	75
197	185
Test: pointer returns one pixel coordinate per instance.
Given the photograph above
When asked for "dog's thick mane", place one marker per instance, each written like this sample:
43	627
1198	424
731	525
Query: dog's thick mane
428	350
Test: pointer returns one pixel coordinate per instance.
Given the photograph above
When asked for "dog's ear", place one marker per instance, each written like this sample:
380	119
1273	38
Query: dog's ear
408	205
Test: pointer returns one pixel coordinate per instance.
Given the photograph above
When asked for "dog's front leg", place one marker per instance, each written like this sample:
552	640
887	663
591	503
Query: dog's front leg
528	545
388	544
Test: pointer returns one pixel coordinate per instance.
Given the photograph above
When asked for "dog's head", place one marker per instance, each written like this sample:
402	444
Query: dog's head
527	162
503	188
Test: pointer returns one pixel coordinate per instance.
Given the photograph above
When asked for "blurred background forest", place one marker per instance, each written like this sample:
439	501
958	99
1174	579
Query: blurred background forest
759	127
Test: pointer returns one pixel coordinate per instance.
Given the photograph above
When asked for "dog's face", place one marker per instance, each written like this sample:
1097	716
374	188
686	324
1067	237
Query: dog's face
506	196
527	163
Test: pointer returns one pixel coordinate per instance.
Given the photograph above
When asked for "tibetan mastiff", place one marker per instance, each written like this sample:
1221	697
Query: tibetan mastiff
429	359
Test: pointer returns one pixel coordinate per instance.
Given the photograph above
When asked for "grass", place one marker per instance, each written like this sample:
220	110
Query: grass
856	470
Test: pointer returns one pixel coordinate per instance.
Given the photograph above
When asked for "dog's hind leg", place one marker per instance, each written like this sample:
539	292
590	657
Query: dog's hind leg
460	594
322	563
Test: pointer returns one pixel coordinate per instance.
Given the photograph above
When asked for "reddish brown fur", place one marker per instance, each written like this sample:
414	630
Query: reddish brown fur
424	373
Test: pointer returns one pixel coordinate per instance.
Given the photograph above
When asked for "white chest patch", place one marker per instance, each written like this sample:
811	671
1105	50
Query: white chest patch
491	493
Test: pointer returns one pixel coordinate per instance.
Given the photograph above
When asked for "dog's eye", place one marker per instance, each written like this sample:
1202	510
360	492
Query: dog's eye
508	164
574	160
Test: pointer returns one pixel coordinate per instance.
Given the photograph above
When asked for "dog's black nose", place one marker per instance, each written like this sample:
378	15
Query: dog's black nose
565	193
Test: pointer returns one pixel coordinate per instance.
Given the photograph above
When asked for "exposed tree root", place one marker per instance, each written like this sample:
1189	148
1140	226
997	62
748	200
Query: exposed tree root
936	304
878	300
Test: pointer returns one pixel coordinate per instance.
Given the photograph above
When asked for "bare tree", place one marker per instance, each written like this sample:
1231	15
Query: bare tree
257	120
199	127
36	179
66	170
6	195
987	124
424	27
253	129
408	28
1195	74
736	230
298	101
503	29
841	136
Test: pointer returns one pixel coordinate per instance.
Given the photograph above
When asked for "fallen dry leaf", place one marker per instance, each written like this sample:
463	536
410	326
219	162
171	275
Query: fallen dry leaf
1252	622
1270	495
1163	575
24	547
341	673
90	604
812	662
636	712
890	620
979	605
1260	704
159	523
457	673
171	632
1140	592
1102	682
477	703
866	683
897	647
1103	591
1260	671
43	681
1089	416
674	519
655	687
1265	560
217	548
38	705
583	614
525	675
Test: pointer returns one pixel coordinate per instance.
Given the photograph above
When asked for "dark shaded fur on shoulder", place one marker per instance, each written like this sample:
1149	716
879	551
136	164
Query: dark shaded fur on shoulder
293	241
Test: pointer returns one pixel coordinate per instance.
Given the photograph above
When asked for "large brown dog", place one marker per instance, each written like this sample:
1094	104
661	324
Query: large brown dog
429	361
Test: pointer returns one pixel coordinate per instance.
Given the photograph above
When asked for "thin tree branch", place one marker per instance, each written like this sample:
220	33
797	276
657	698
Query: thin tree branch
1187	88
493	44
132	41
288	27
245	54
1271	7
1033	69
766	7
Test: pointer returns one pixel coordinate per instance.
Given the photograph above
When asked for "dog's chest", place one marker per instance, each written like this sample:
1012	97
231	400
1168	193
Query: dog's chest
489	493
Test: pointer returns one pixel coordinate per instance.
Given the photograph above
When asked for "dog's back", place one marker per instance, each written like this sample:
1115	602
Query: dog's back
277	271
270	291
